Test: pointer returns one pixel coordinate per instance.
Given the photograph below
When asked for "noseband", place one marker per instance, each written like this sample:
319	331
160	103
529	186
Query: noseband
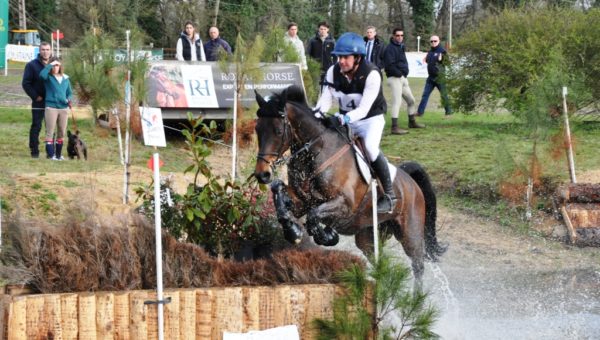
286	136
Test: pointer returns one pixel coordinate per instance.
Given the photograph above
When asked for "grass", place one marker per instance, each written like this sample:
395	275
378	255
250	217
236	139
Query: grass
467	156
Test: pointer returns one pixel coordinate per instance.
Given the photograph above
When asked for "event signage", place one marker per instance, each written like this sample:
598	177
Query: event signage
3	31
150	55
181	85
23	53
416	66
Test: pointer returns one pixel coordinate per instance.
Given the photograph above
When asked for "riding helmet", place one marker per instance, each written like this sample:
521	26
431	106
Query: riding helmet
349	43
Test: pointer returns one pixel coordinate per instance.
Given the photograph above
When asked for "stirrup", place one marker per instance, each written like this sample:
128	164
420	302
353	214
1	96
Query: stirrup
386	204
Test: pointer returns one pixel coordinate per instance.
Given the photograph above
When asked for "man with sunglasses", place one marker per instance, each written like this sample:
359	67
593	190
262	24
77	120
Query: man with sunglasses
396	68
436	60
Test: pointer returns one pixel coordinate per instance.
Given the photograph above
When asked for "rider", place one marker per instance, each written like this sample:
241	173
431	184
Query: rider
356	86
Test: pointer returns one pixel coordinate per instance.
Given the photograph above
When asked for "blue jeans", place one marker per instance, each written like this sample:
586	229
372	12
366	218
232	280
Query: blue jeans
430	84
37	117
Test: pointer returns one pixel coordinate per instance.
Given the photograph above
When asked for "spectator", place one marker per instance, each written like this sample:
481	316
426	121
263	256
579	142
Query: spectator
320	47
58	99
436	60
374	46
396	68
291	36
215	44
34	87
189	45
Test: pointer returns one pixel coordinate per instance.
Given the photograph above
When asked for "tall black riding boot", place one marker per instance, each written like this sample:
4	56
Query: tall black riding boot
385	203
50	150
58	153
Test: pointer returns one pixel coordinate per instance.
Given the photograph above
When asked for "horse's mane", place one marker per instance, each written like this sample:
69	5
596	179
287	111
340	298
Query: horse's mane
294	93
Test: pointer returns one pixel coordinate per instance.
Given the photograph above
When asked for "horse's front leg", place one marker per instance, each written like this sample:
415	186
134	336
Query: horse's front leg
330	211
292	231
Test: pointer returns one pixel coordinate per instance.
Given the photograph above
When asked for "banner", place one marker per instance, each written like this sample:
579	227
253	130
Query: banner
416	66
3	31
182	85
150	55
22	53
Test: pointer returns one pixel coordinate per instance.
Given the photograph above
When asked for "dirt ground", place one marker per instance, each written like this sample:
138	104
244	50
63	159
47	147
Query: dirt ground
469	235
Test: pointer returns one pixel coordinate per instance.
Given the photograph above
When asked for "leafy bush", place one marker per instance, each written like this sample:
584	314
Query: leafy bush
507	57
218	215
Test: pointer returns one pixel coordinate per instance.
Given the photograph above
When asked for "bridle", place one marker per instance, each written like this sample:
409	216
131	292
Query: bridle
286	137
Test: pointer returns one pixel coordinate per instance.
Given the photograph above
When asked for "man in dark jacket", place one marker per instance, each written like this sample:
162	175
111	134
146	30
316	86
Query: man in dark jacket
396	68
214	44
320	47
436	60
375	47
34	87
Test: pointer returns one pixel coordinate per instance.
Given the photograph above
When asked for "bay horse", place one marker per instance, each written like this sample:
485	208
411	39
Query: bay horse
324	183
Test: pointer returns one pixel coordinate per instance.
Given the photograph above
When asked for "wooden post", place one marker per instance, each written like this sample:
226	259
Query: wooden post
121	315
137	309
568	138
172	316
571	231
68	315
187	314
87	316
204	313
17	318
105	308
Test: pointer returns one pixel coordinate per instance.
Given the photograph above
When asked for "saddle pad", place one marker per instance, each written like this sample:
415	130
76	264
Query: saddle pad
363	167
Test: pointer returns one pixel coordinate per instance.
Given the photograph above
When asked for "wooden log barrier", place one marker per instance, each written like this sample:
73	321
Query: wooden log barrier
580	208
203	313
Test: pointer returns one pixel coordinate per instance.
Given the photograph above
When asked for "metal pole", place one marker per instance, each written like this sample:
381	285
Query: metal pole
568	137
375	222
418	43
58	43
450	27
234	144
158	235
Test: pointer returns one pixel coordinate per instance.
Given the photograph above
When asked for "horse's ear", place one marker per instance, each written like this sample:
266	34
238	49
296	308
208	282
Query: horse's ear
259	99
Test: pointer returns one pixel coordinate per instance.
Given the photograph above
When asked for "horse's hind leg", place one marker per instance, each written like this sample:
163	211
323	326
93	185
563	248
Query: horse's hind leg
411	238
364	241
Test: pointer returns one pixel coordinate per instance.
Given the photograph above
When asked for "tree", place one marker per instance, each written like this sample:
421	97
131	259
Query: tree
489	70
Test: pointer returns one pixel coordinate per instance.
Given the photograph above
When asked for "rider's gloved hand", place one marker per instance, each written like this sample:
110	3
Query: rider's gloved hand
318	114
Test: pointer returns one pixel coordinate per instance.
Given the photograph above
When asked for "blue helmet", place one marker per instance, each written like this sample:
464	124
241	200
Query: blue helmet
349	43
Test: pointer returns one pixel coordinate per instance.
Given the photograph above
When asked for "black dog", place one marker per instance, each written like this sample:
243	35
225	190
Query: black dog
76	147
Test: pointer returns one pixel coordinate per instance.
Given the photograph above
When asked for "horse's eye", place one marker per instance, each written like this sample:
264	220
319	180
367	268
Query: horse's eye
278	131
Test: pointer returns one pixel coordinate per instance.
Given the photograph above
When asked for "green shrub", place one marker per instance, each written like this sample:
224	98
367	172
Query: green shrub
390	279
508	56
218	215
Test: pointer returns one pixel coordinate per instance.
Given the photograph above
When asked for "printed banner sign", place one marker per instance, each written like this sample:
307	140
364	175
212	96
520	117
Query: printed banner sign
176	84
152	126
22	53
416	66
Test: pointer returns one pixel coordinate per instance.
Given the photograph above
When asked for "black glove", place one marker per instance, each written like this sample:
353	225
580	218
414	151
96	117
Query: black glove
332	122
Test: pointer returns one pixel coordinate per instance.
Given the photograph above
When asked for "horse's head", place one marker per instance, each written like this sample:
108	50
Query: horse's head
274	134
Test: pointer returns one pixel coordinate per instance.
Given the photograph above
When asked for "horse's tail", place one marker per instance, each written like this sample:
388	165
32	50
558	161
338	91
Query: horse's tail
420	176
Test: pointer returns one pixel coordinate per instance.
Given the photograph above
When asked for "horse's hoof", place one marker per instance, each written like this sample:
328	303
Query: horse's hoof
293	234
330	237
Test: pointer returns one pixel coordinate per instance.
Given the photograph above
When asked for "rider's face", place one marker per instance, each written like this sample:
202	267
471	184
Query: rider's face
346	62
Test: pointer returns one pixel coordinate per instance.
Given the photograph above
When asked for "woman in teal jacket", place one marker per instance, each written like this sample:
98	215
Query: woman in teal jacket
58	99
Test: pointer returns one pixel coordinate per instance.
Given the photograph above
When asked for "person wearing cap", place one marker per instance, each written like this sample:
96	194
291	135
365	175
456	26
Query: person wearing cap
58	100
356	86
